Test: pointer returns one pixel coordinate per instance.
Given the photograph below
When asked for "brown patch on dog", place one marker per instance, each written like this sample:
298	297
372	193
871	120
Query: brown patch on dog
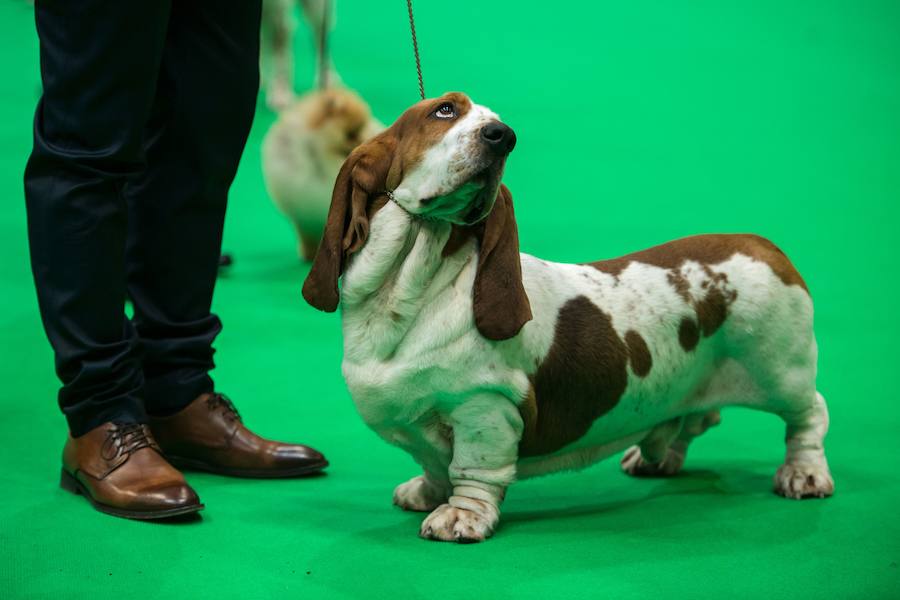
681	285
688	334
709	250
582	377
712	311
639	353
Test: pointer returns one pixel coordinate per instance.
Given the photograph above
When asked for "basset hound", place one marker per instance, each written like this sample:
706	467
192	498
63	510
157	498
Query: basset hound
489	366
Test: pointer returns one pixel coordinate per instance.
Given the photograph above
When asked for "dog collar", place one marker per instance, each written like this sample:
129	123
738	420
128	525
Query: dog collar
390	196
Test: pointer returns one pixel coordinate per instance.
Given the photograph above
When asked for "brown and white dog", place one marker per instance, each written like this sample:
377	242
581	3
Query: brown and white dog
488	365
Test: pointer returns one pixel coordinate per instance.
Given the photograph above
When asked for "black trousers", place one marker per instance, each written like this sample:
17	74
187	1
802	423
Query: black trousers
146	108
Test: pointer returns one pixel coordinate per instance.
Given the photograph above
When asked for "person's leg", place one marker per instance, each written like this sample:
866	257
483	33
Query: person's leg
205	103
99	65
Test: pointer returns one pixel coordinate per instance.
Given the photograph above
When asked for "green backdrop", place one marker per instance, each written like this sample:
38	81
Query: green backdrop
637	122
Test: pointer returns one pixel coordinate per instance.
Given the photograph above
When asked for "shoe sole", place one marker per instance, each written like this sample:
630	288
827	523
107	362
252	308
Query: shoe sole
71	484
189	464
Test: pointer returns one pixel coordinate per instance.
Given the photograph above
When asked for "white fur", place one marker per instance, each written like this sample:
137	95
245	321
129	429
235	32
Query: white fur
425	380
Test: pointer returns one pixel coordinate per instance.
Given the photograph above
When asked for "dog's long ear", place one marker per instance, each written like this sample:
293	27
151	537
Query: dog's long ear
362	177
500	303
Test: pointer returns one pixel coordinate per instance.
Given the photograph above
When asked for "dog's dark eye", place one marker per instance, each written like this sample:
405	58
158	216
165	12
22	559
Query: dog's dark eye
445	111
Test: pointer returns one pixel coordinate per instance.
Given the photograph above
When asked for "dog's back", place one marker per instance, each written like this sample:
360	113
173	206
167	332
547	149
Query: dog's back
680	329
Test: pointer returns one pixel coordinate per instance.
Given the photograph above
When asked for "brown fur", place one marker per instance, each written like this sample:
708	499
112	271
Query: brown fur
709	250
499	300
582	378
712	311
681	285
638	353
688	334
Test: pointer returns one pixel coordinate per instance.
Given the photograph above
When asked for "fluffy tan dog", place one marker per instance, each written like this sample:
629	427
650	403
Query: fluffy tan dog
303	152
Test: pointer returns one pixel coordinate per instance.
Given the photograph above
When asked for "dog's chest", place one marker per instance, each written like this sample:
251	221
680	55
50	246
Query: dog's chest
410	343
439	361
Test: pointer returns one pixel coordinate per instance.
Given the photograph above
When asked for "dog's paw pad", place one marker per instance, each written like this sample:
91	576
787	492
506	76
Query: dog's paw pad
418	494
800	481
450	524
634	464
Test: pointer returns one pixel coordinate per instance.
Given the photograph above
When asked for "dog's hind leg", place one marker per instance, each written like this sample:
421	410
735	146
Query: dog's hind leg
662	452
784	362
805	472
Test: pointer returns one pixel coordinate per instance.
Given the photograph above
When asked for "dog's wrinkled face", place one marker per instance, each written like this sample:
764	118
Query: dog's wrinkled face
453	154
441	160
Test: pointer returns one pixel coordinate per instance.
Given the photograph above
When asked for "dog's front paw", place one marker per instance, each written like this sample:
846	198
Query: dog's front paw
419	494
635	465
800	481
450	524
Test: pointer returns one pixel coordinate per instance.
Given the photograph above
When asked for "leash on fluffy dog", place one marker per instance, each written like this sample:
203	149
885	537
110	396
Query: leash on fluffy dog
323	46
412	29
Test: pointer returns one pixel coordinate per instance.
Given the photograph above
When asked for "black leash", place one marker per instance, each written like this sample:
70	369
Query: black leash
412	29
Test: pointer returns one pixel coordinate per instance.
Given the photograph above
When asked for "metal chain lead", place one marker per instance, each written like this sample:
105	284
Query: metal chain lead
412	29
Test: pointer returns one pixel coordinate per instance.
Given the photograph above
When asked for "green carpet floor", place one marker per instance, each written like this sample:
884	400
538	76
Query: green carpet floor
637	122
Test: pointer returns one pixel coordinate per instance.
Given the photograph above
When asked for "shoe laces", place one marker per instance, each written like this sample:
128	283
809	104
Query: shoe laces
126	438
216	400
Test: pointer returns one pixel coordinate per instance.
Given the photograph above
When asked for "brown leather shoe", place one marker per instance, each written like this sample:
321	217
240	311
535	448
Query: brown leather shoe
208	435
119	468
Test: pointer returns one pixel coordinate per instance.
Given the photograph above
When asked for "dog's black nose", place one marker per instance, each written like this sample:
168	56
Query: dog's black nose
499	137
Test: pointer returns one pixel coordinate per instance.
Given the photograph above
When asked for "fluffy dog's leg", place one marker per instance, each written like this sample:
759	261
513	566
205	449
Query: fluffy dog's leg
805	472
321	24
278	52
486	433
656	457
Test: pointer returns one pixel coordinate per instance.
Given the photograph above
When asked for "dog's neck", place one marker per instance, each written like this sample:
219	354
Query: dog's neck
400	269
